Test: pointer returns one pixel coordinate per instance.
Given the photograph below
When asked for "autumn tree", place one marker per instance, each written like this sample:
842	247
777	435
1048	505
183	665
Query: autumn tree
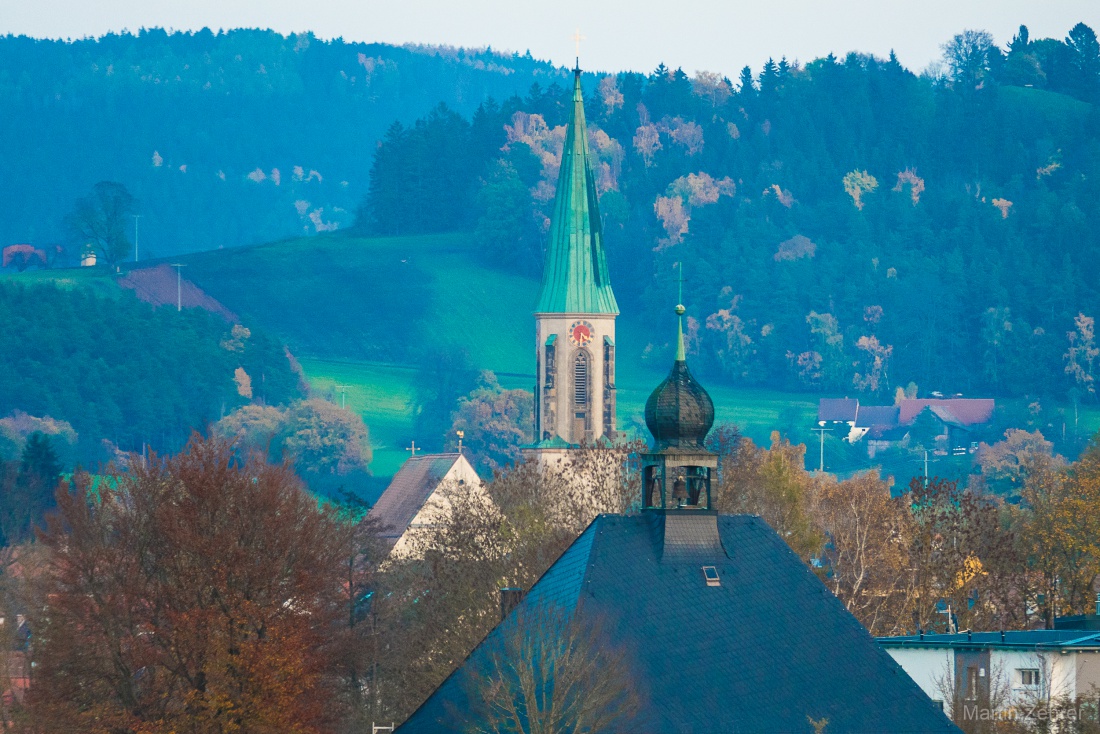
321	437
1007	465
773	484
253	427
963	558
712	87
100	220
199	593
857	184
872	371
495	421
548	671
867	549
1060	529
364	647
1082	353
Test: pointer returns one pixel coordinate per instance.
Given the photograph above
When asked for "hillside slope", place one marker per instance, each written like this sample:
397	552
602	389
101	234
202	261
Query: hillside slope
225	138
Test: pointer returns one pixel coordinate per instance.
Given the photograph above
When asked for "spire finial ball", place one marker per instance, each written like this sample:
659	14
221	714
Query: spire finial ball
680	310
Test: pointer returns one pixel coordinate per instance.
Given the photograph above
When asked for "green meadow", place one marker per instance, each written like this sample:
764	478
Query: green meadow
362	315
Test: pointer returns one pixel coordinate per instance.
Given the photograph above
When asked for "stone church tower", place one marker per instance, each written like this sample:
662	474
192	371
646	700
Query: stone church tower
575	315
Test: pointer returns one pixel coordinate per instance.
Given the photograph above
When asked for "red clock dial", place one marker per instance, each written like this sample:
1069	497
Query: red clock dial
580	333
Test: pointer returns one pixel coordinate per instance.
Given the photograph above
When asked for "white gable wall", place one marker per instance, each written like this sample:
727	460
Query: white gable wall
1061	675
460	478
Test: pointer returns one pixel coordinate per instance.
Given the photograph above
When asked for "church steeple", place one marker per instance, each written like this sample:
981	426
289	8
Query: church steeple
576	310
575	278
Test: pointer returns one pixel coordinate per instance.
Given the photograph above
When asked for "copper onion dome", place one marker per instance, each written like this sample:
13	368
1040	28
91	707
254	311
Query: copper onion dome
679	412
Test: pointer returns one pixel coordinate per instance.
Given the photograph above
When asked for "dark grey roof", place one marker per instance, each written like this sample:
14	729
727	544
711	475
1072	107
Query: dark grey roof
409	490
1058	639
877	416
837	409
761	652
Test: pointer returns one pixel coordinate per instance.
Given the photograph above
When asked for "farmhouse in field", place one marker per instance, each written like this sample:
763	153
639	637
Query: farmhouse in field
951	422
418	496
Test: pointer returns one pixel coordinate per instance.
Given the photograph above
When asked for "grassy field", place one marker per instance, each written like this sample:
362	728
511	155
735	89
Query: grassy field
390	300
381	393
365	313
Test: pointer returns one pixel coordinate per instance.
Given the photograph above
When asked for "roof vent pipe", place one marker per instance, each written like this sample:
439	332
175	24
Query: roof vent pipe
509	600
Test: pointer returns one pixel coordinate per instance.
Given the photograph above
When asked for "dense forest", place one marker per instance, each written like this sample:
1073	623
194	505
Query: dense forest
223	138
98	375
845	226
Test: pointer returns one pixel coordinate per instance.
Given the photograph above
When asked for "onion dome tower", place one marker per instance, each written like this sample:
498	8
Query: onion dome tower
679	413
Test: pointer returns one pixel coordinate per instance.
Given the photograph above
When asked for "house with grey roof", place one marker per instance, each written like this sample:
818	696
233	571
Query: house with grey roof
417	496
717	625
1004	675
954	420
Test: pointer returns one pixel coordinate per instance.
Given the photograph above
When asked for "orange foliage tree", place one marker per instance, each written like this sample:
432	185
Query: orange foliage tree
198	594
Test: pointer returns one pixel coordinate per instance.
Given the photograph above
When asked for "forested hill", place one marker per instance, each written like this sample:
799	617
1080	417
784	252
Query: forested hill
845	226
223	139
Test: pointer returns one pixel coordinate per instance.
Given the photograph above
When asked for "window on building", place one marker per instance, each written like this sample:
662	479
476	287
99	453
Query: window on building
580	379
1028	677
710	573
972	683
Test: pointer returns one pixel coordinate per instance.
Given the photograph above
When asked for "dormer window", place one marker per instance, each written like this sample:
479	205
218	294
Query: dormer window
710	573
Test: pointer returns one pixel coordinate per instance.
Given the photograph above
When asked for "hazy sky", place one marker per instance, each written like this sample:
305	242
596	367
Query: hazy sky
716	36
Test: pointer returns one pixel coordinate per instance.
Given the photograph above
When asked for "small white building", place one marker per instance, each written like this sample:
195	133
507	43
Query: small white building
994	676
419	496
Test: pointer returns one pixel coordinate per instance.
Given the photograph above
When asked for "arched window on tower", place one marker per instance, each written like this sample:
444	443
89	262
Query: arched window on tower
580	379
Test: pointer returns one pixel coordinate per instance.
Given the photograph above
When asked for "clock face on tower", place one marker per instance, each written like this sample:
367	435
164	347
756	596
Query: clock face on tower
580	333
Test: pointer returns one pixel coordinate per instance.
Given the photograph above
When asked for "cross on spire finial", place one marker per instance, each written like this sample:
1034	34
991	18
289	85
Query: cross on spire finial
577	38
413	449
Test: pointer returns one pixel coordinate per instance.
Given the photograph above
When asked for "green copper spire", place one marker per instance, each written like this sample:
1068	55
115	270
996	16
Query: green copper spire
575	278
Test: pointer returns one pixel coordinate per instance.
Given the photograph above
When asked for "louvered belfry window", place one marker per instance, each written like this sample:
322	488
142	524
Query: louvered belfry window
580	379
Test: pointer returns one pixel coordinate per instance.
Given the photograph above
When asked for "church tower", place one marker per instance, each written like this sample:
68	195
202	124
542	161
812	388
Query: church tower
575	315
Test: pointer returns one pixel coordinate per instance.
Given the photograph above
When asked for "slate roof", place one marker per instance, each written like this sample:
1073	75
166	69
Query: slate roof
575	278
874	416
1065	639
966	411
761	652
837	409
409	490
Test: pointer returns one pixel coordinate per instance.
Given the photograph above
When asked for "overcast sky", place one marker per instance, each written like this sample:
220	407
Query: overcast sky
637	35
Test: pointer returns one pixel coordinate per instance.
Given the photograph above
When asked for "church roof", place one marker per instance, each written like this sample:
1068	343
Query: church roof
410	488
575	278
762	651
